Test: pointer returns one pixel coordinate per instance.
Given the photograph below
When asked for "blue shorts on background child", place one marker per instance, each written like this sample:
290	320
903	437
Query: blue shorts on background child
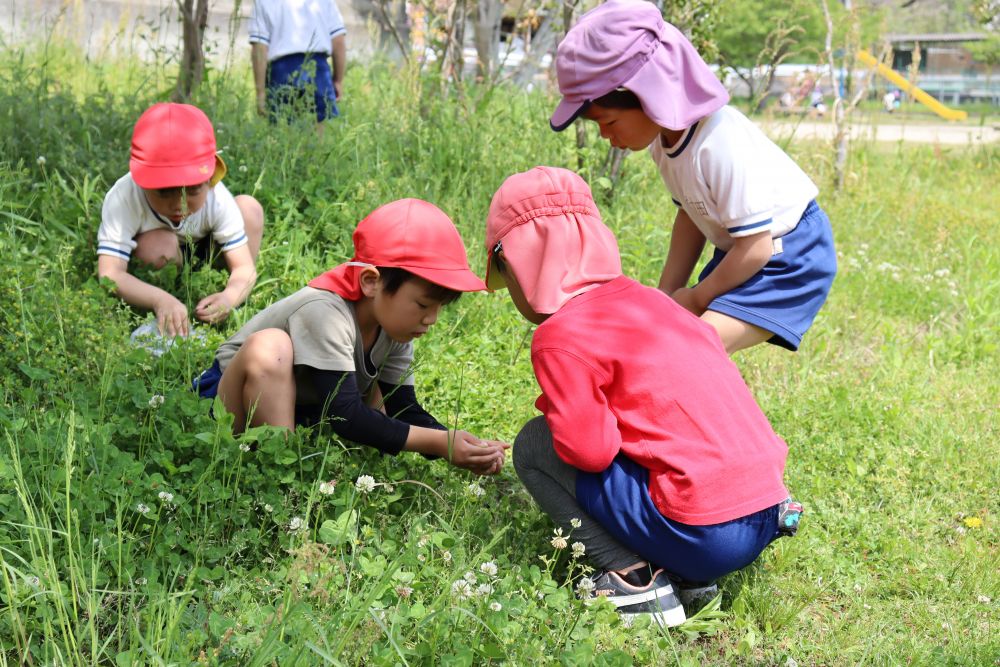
645	85
651	451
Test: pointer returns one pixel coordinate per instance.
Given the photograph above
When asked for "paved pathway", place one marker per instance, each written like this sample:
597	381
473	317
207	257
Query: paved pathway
952	134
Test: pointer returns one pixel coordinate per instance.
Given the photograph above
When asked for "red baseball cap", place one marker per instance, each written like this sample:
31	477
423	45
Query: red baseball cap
174	145
409	234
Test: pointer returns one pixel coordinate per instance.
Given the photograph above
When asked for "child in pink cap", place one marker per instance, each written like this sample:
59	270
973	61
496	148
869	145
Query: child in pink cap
651	450
643	83
173	193
340	351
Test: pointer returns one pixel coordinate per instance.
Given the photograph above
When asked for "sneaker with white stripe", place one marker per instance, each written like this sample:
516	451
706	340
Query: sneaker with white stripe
657	599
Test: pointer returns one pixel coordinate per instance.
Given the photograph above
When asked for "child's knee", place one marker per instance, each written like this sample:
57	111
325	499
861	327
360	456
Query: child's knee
157	248
268	352
532	442
253	214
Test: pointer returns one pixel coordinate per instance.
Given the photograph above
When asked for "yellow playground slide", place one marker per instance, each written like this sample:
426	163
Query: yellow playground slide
945	112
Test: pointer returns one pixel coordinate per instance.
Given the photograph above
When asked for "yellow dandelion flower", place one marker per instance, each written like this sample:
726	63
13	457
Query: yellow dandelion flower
973	522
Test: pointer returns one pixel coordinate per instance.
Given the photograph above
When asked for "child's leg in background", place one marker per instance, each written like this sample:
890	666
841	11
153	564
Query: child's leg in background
552	483
736	334
157	248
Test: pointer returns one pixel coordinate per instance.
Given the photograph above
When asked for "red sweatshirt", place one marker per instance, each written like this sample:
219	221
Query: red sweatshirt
624	369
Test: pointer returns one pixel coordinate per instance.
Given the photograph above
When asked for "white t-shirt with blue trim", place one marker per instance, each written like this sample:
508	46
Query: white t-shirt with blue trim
295	26
127	213
732	180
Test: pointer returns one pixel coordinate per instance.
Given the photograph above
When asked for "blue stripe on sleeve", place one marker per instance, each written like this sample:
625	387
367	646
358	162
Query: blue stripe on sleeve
338	31
234	241
126	255
260	38
752	225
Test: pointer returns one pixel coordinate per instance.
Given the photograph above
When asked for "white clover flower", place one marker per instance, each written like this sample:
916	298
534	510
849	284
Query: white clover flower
166	496
470	576
475	490
446	556
585	587
142	509
404	591
156	401
33	581
579	548
365	484
389	488
296	524
421	557
327	488
942	273
141	581
495	606
484	590
244	447
243	168
462	589
422	542
575	523
985	599
489	568
41	160
268	508
559	542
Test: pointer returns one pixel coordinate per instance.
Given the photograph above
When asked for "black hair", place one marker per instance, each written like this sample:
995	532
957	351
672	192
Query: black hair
620	98
392	278
499	264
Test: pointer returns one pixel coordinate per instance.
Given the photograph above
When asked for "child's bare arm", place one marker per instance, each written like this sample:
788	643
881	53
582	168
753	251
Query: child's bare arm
258	59
171	314
748	255
338	53
686	244
242	276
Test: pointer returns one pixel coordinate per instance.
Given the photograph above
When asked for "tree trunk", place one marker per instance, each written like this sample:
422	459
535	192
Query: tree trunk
194	20
487	36
454	60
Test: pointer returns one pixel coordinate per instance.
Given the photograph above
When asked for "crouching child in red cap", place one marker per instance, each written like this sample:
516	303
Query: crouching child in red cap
318	354
651	450
172	194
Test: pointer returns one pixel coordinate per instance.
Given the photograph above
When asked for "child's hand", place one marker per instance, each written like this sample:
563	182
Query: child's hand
688	298
171	317
498	464
213	308
482	457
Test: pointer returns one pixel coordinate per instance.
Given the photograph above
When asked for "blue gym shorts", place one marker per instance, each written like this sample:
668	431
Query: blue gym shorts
290	81
785	296
618	499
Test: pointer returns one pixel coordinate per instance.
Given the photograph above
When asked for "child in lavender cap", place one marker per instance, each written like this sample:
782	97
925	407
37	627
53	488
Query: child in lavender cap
645	86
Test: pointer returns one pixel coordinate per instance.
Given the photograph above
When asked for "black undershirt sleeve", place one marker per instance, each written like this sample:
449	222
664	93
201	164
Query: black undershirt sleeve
400	401
351	419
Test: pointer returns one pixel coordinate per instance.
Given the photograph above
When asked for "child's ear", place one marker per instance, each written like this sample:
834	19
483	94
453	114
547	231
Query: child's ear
369	279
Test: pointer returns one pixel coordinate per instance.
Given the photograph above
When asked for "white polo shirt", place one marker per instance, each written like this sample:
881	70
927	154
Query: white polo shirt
295	26
127	213
732	180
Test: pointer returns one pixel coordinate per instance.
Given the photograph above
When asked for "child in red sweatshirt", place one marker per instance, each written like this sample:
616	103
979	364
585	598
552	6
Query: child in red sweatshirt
652	452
